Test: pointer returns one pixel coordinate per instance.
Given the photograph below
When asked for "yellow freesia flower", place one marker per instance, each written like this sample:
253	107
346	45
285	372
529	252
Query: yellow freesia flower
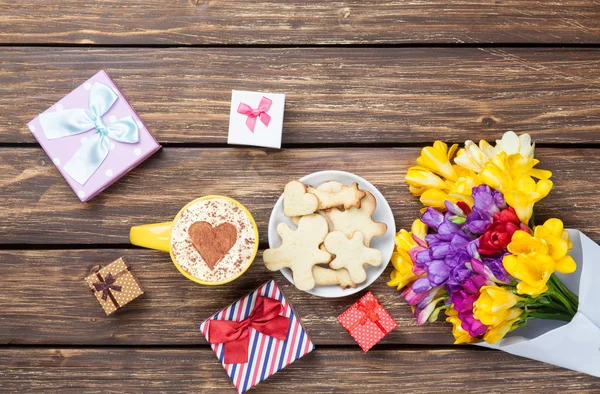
404	239
421	179
494	304
437	159
535	257
436	180
513	176
403	274
497	332
533	270
559	244
460	334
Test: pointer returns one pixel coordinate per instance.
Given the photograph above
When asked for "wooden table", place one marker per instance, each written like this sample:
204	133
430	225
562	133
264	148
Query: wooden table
368	83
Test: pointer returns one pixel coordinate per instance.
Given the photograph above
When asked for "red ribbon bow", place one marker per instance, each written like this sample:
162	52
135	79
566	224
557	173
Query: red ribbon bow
368	308
235	336
252	114
105	285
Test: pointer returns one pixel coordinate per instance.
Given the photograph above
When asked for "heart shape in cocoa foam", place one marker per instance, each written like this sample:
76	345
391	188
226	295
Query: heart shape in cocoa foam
212	243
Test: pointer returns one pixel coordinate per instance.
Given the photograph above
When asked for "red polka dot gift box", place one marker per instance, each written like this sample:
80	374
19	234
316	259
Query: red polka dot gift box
367	321
114	285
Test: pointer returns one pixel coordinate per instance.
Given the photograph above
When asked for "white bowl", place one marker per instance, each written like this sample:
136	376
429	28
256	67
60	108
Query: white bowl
383	213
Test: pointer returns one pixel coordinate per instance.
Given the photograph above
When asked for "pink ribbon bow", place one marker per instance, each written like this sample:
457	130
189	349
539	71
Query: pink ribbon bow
259	112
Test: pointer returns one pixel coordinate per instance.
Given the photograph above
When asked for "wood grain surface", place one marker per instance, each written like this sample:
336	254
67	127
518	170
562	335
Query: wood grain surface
38	206
323	371
348	96
183	22
49	303
367	84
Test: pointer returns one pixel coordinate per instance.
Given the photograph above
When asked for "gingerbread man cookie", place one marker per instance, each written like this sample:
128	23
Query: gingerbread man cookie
299	250
327	276
351	254
296	201
330	186
358	219
348	196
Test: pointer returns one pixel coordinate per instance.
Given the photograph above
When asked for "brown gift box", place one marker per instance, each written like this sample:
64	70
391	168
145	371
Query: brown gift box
114	285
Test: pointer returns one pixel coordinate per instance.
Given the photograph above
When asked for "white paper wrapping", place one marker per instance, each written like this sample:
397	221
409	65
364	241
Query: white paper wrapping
574	345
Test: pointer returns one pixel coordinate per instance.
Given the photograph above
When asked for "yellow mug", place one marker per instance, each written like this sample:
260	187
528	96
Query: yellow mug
158	236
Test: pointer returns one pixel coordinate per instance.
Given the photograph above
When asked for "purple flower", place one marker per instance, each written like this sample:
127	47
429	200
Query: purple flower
412	296
499	200
473	249
495	265
445	258
463	299
472	284
457	275
424	313
432	218
472	325
437	272
477	222
485	200
453	208
487	204
421	285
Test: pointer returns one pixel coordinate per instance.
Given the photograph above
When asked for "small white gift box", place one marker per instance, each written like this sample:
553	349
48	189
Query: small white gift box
256	119
574	345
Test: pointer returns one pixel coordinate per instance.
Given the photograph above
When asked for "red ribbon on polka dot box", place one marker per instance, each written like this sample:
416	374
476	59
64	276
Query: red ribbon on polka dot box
367	321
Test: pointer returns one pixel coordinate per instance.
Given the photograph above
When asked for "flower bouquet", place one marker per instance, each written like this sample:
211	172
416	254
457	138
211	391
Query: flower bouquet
476	254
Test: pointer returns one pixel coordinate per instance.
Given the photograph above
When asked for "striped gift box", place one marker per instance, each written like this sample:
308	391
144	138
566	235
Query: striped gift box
267	355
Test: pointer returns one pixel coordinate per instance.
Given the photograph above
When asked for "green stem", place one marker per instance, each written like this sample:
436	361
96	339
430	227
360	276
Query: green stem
550	316
572	297
555	292
558	296
532	221
543	301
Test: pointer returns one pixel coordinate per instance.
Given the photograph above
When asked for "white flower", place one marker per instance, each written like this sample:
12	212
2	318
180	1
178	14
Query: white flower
512	143
475	157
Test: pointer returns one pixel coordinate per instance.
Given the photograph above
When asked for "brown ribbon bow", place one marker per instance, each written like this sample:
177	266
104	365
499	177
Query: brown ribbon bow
368	308
105	285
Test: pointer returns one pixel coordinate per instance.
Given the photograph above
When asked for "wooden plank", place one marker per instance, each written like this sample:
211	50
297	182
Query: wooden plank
38	207
323	371
46	301
334	95
184	22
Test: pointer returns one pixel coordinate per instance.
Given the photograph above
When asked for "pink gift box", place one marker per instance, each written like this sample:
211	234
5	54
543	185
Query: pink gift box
93	136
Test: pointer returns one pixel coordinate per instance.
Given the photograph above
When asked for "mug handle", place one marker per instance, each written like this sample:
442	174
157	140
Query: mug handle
152	236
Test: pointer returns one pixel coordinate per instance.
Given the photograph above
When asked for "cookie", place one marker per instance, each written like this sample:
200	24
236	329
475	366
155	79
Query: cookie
351	254
330	186
347	196
296	219
299	250
296	201
327	276
358	219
